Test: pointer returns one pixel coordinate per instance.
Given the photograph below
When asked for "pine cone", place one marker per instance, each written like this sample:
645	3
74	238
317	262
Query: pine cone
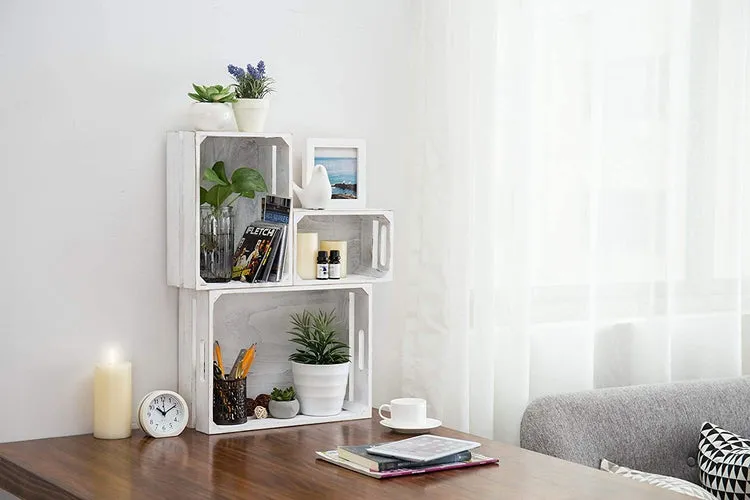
263	400
260	412
250	405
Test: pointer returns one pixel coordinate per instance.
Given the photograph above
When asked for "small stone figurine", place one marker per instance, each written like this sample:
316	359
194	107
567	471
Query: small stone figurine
317	193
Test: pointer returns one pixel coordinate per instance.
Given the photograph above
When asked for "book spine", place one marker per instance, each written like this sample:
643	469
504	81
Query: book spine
464	456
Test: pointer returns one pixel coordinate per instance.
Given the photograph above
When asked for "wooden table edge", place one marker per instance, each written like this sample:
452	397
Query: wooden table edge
21	482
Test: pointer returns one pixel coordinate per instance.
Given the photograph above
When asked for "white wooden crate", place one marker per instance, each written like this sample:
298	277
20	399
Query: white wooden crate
369	237
189	154
239	317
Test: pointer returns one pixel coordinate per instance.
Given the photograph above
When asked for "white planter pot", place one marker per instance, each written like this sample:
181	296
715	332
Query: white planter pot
283	409
320	388
213	116
251	114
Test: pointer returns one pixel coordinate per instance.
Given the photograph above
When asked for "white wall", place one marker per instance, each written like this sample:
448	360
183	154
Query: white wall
88	90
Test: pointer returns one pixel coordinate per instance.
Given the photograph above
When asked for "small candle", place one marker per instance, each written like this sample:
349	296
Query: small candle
307	253
113	400
329	245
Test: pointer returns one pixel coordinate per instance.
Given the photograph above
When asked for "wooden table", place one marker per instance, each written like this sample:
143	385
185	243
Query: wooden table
281	464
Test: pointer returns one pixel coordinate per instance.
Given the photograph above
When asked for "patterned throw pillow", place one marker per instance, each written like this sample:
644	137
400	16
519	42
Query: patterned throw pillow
724	461
667	482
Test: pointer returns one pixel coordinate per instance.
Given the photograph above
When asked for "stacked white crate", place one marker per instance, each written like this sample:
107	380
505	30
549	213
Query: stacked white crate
238	314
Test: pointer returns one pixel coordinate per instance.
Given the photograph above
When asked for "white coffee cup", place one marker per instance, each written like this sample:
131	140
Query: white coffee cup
408	412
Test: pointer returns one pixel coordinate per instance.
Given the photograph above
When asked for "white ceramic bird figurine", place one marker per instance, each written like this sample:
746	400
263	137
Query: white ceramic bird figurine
317	193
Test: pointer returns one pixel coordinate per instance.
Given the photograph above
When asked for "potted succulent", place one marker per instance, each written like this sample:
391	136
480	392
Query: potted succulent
251	89
217	219
283	403
320	365
212	109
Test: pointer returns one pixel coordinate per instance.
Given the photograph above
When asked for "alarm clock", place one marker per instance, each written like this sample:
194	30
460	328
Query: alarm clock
162	414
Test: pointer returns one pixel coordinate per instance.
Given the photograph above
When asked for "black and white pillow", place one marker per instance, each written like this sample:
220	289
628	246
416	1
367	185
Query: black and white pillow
667	482
724	461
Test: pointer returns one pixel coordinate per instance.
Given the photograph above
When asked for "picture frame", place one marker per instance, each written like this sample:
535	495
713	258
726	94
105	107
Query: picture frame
346	163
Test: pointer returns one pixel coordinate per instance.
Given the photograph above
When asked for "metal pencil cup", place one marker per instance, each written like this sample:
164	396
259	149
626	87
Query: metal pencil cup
229	401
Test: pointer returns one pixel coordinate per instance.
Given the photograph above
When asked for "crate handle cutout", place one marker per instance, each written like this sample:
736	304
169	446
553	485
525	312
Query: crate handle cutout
361	351
383	246
375	244
203	360
351	343
273	169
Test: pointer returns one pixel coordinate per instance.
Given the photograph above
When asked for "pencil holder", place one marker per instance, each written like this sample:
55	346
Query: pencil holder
229	401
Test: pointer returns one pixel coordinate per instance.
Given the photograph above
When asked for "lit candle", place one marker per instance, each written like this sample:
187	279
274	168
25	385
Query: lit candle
329	245
113	400
307	253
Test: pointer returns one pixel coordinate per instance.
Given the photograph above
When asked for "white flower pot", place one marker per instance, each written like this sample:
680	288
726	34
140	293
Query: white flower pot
251	114
320	388
283	409
213	116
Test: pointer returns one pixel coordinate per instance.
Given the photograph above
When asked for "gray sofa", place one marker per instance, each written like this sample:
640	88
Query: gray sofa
653	428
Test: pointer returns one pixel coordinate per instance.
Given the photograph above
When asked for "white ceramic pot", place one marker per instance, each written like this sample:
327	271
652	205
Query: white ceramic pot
213	116
283	409
320	388
251	114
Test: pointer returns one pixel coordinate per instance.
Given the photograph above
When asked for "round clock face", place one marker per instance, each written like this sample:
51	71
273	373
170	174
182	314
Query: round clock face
163	414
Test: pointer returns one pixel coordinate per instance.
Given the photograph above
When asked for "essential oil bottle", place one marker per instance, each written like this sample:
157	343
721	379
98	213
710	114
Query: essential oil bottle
322	271
334	265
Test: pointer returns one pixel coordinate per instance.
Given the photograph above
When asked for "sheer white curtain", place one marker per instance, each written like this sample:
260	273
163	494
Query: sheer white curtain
579	205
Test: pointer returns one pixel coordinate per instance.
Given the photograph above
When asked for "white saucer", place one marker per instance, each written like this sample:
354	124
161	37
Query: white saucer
431	423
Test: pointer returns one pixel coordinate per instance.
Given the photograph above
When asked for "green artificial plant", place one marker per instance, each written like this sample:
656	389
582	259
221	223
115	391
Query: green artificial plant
287	394
245	182
212	93
316	336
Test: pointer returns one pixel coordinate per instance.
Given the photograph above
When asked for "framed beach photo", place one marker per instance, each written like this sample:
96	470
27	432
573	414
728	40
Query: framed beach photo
344	160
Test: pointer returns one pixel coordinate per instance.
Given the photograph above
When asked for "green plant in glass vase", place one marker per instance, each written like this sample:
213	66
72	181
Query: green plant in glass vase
217	219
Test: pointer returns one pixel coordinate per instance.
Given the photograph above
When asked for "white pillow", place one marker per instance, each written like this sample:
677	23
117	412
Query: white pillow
667	482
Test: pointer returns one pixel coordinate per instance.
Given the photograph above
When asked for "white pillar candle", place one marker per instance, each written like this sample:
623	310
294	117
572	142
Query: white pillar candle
329	245
113	399
307	253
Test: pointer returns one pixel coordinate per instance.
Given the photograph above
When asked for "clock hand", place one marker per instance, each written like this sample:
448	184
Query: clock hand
173	407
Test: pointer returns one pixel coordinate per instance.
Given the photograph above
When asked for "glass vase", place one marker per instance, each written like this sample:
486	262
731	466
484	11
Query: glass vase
217	244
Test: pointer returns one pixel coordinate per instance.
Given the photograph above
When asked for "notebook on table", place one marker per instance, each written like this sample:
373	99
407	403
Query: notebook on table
423	448
379	463
332	456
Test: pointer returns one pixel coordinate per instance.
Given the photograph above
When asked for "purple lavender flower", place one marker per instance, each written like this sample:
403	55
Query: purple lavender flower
254	73
262	68
235	71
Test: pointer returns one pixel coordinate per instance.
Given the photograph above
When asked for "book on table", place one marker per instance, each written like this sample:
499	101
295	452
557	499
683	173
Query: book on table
358	458
424	449
377	463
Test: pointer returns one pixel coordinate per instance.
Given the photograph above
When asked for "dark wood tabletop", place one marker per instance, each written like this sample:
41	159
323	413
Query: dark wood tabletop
281	464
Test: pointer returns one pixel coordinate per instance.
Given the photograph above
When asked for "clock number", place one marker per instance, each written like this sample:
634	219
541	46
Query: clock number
151	422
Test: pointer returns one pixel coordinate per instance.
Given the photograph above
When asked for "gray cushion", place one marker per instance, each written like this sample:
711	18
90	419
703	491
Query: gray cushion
652	428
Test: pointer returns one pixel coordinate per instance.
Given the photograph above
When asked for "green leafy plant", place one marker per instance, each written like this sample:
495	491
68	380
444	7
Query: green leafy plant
212	93
287	394
316	336
244	182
